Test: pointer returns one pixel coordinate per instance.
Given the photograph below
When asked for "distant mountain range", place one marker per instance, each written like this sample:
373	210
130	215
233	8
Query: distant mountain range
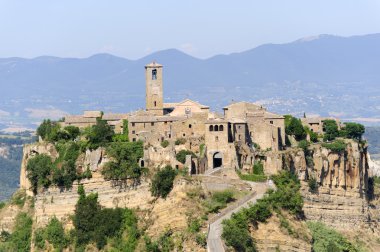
326	75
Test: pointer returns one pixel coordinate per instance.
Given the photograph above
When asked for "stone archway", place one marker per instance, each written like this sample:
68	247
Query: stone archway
217	160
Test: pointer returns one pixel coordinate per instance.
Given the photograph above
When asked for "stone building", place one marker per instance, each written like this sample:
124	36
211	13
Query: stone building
227	140
316	123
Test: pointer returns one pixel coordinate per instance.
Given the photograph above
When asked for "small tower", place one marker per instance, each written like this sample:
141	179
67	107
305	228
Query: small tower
154	89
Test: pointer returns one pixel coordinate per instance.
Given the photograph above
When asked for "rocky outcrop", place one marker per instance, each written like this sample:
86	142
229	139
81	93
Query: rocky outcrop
340	200
31	150
271	237
61	203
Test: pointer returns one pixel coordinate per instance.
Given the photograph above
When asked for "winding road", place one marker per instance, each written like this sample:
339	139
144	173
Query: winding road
214	240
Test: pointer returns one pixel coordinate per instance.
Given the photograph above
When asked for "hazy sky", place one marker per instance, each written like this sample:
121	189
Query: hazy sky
203	28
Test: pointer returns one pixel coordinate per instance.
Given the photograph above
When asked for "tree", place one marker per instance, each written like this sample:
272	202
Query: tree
293	126
55	233
354	130
48	130
94	224
100	134
73	132
39	169
162	182
331	130
124	161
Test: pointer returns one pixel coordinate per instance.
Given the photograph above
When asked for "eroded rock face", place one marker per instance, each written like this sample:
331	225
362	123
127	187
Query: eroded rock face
29	151
343	181
61	203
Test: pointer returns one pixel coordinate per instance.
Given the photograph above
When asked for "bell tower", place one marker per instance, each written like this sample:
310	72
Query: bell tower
154	89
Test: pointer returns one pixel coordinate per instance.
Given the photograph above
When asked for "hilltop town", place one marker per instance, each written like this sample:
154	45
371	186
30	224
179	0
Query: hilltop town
226	140
181	177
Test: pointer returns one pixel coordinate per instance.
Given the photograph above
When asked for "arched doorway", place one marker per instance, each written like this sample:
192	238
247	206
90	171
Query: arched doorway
142	163
217	160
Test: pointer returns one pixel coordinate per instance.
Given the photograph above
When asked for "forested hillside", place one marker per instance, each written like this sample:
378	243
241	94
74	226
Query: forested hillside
10	161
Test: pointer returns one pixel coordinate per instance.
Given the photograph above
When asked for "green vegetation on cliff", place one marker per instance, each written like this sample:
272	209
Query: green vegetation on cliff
286	197
257	174
293	127
327	239
162	182
20	238
124	161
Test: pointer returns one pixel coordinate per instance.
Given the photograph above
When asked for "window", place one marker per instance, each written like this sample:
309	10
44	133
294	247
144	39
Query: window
216	139
154	74
133	132
133	124
221	128
189	126
155	103
211	128
216	128
134	139
183	134
271	122
152	124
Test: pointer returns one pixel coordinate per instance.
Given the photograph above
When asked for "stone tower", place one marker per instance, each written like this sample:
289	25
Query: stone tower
154	89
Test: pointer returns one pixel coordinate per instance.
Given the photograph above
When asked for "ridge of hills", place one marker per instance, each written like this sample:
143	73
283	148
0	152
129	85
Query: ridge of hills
322	75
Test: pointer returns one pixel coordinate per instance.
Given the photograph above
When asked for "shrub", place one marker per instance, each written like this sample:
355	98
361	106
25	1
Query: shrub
162	182
337	146
331	130
327	239
181	155
219	200
20	239
313	185
252	177
39	238
165	143
201	240
66	174
120	138
258	168
19	198
164	243
237	236
304	145
180	141
194	225
2	205
39	169
55	234
312	134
